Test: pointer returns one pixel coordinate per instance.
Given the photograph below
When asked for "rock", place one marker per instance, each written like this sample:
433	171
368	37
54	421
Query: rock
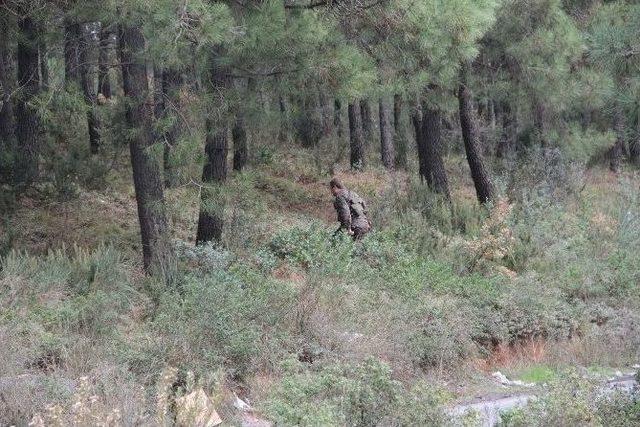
500	377
196	409
240	404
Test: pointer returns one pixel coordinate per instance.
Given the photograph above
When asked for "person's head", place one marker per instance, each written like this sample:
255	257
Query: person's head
336	186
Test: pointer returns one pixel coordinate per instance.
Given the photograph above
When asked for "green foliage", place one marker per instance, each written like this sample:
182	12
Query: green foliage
361	394
218	318
537	374
100	289
573	400
586	145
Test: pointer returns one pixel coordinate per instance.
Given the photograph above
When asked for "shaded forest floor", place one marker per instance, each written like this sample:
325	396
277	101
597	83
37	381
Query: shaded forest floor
433	302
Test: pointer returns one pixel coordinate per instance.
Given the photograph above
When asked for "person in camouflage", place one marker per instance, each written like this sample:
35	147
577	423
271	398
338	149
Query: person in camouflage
351	209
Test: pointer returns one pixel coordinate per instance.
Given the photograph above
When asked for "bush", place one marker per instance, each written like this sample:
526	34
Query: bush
573	400
363	394
221	319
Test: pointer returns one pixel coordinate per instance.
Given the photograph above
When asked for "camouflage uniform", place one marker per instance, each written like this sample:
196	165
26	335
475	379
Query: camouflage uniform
352	213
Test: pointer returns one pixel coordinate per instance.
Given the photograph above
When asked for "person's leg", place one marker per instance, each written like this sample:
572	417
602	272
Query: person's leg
358	233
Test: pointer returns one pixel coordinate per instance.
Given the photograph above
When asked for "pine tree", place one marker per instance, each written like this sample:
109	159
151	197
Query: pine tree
157	250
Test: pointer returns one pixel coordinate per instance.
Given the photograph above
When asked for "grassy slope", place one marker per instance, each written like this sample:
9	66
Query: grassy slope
406	306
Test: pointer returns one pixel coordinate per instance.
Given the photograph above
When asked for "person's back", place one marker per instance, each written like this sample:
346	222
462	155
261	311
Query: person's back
351	209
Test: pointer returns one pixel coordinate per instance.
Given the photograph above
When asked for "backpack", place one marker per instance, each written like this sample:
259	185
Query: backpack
357	206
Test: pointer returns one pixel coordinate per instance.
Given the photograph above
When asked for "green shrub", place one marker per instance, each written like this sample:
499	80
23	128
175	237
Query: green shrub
572	400
362	394
221	318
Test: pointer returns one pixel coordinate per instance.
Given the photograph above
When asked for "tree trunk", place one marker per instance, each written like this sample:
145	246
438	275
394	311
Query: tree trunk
337	118
435	173
7	86
468	123
239	134
416	120
104	82
356	137
283	132
44	65
27	120
88	90
170	86
156	244
617	150
326	114
387	151
71	60
634	146
367	121
400	134
540	123
214	173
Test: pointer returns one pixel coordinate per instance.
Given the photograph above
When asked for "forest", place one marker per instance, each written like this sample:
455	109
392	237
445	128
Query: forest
168	244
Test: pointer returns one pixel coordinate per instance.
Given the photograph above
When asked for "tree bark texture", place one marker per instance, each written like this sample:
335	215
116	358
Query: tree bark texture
416	121
634	145
71	59
367	121
239	134
27	121
7	86
387	150
171	85
400	133
431	134
356	136
617	151
470	135
157	251
104	81
214	173
337	118
88	90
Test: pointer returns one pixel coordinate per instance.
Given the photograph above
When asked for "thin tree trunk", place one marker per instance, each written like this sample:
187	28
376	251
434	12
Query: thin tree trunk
27	121
540	123
367	121
337	118
416	120
400	134
157	251
88	89
326	114
44	66
356	137
387	150
468	123
283	132
634	146
435	173
171	83
617	150
71	60
214	173
7	85
506	141
104	81
239	134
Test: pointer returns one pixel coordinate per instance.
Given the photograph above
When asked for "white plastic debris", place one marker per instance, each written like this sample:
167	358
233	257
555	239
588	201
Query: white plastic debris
502	379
